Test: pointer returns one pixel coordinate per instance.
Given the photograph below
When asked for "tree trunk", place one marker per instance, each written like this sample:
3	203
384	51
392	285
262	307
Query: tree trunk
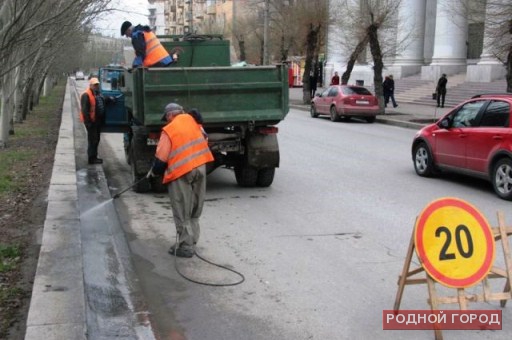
27	96
353	58
377	61
311	46
284	50
241	47
509	70
4	116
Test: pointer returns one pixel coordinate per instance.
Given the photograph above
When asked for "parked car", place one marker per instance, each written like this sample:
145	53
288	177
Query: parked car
475	138
79	75
345	101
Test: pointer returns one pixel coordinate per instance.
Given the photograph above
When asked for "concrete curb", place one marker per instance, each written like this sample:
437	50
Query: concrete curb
57	305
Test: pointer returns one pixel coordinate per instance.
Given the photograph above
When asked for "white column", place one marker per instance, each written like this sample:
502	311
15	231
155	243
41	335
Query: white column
410	35
491	10
430	31
450	51
488	68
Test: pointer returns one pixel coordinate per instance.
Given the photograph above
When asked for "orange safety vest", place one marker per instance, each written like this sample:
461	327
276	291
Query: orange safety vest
92	111
154	50
189	148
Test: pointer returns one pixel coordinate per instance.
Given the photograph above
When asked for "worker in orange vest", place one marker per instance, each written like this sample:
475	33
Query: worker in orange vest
181	155
92	114
149	52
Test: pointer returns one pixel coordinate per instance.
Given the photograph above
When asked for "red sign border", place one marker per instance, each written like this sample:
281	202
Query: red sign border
420	249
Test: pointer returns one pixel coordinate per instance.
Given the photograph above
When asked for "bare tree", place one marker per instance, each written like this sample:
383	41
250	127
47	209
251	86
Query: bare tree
498	31
365	23
32	36
301	31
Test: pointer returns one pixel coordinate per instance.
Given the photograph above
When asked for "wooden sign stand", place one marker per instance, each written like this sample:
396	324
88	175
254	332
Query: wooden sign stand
462	298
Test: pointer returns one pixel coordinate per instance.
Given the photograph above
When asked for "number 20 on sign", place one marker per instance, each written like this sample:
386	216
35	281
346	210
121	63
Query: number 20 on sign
454	242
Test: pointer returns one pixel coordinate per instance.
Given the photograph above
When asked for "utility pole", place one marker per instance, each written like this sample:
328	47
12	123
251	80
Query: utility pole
265	32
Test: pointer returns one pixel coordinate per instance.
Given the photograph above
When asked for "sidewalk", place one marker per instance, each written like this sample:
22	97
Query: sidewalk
84	286
406	115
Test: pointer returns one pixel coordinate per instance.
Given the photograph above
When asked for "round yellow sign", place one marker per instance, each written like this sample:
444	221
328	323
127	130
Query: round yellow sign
454	242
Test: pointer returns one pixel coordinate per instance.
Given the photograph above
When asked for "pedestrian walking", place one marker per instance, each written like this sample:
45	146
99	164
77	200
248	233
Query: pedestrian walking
149	52
388	87
92	114
441	90
313	79
181	155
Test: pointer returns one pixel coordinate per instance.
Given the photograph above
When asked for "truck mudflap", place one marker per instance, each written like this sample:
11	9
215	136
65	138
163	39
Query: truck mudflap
261	158
263	150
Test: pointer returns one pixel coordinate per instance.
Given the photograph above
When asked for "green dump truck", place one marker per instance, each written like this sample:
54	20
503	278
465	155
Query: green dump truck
240	107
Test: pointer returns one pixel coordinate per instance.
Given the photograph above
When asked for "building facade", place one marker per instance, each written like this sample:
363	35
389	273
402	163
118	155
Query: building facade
441	36
178	17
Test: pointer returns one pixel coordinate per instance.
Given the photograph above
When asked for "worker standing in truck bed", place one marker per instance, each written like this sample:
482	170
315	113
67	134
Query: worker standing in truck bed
149	52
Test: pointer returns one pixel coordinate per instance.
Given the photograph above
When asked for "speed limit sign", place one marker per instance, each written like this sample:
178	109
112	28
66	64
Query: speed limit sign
454	242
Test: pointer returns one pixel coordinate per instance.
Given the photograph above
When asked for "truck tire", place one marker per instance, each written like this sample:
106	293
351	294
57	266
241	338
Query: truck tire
143	186
157	185
265	177
141	183
246	176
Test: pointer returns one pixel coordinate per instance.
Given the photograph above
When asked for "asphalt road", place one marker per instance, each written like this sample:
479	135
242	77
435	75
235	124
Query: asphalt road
321	249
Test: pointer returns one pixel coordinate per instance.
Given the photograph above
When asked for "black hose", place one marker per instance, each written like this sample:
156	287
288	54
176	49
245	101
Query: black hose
128	188
213	284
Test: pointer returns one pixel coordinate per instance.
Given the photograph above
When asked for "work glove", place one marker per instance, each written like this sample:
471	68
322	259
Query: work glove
150	173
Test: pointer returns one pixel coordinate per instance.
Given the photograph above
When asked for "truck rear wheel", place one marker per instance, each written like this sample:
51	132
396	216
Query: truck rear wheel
246	176
141	183
265	177
157	185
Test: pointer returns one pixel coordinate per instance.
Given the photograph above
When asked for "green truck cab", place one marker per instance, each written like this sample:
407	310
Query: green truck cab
240	107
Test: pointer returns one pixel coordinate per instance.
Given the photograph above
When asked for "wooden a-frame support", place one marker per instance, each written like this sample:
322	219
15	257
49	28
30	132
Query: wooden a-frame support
462	298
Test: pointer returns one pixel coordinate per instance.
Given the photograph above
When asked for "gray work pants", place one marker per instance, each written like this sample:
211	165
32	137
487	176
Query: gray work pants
187	197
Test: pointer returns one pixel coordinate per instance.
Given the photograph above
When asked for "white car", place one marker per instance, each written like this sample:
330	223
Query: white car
79	75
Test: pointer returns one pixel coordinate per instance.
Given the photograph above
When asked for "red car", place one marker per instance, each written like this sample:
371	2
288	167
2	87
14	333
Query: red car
345	101
475	138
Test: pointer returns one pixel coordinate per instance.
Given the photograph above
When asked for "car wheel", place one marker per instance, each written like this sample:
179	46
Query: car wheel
313	112
423	162
370	119
334	114
502	178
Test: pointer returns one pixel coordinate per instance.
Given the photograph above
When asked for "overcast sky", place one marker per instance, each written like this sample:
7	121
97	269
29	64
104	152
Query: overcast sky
135	11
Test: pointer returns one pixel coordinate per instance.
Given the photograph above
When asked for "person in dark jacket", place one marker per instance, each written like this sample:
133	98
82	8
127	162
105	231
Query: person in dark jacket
388	87
149	52
441	90
92	114
335	80
313	79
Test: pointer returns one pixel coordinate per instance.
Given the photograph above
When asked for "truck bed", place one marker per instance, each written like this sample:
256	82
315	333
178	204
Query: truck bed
223	95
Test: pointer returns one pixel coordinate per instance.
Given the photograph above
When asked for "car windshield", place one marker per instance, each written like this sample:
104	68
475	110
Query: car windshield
356	90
